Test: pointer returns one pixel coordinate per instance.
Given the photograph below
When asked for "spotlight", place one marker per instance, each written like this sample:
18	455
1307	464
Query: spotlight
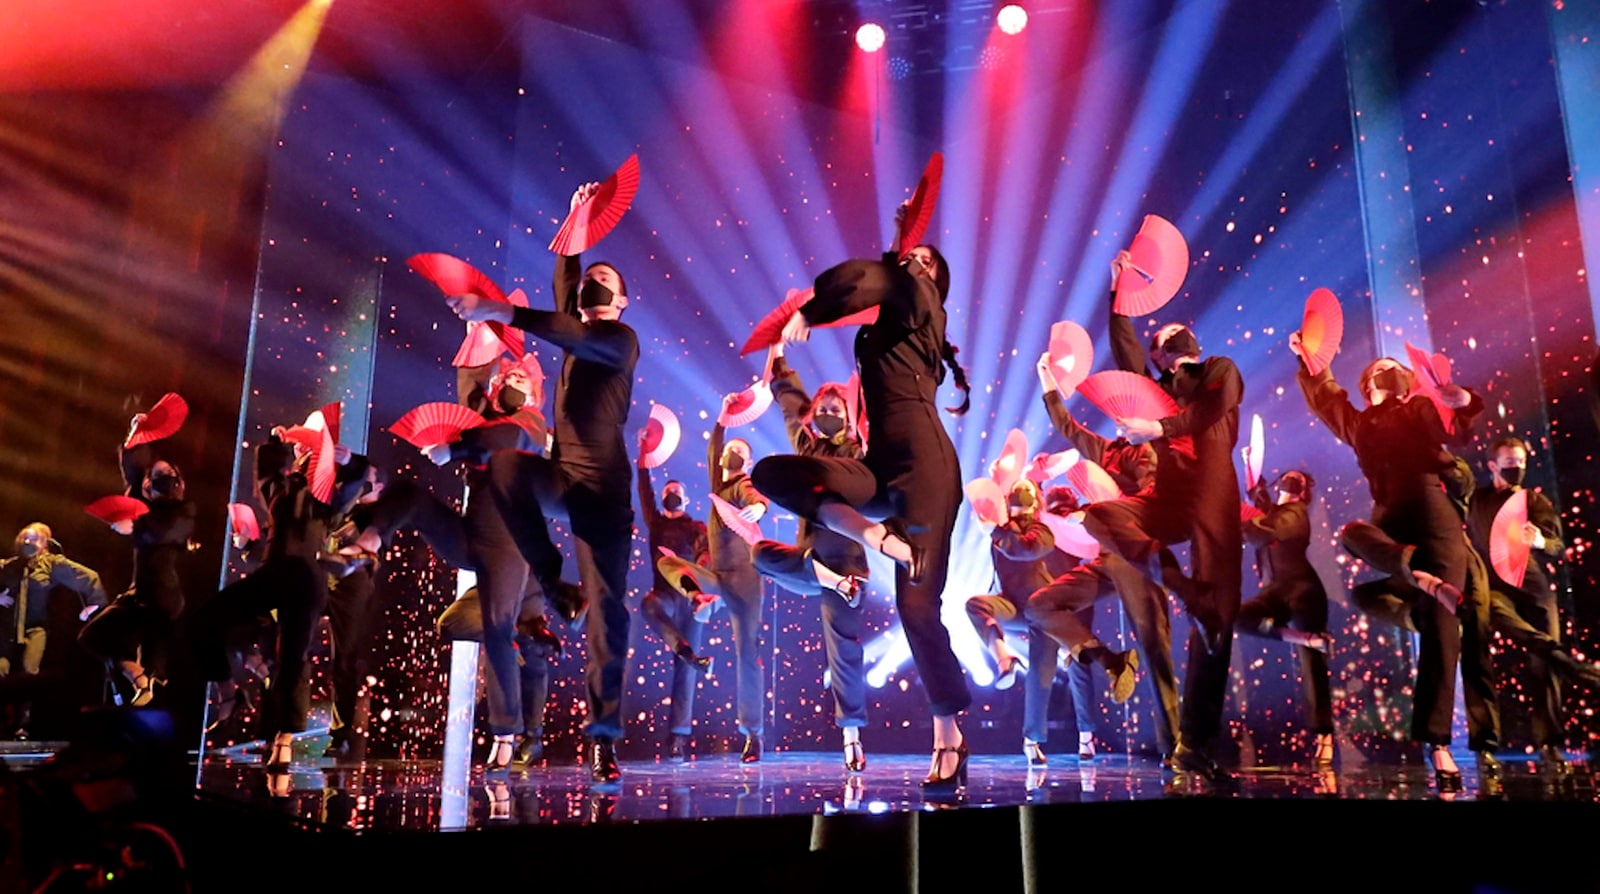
1012	18
870	37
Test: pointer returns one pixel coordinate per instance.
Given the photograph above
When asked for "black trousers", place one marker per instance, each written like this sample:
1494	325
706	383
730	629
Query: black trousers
790	567
463	620
741	591
529	491
351	611
672	615
922	490
406	504
136	627
1302	605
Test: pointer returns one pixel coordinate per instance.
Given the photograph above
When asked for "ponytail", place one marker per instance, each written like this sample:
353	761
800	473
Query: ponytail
950	351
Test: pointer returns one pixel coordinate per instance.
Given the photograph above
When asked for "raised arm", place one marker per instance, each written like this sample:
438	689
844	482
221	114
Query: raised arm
1329	402
790	396
858	285
274	459
714	455
647	498
1090	445
1217	395
135	463
601	341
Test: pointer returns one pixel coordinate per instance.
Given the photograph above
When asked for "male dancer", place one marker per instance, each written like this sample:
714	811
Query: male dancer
26	580
584	481
671	612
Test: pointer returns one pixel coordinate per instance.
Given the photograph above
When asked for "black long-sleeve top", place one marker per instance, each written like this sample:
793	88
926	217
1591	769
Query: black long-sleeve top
1019	549
30	580
729	552
1481	510
835	550
161	536
521	430
685	536
297	522
1131	466
595	387
1281	538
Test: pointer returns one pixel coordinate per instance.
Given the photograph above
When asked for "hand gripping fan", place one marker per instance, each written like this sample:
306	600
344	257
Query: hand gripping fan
661	436
162	421
1160	263
1125	395
117	509
1256	453
1093	483
1071	355
747	406
1071	537
485	340
1425	372
749	532
322	466
1321	330
920	212
454	276
1508	548
1046	466
988	500
433	423
242	521
769	331
1248	512
594	217
1013	459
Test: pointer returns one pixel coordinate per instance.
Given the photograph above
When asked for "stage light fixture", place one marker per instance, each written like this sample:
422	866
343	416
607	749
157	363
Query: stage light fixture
1012	18
870	37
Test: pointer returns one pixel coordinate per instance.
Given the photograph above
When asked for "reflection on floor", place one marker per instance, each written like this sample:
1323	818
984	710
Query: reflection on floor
418	796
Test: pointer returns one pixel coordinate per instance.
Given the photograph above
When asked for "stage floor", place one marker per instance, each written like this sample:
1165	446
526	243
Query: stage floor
417	796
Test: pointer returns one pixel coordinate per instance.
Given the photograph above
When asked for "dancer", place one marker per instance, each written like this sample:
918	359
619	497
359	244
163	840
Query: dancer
672	613
537	647
911	477
26	581
1292	605
585	481
134	632
821	561
1415	535
1065	608
352	582
1196	499
732	577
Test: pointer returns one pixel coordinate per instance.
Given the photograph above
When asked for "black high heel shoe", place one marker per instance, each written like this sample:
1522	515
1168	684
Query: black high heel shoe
849	586
956	780
1448	781
894	527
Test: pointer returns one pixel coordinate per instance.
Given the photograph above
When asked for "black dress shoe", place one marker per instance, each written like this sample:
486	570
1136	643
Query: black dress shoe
530	750
568	600
1551	760
752	750
701	663
1197	762
1488	764
538	630
603	763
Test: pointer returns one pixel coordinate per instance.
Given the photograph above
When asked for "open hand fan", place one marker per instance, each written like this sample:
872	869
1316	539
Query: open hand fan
1071	355
747	406
1508	547
920	212
1071	537
486	340
1256	452
1160	263
1093	483
117	509
1425	375
988	500
749	532
661	436
454	276
1248	512
242	521
594	217
1013	459
1125	395
1046	466
322	466
769	331
434	423
161	421
1321	330
330	418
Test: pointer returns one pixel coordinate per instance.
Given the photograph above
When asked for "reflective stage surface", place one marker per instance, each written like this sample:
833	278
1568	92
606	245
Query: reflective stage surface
419	796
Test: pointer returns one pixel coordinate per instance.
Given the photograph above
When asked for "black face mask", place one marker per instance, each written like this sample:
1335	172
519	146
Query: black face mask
27	549
593	294
828	425
1513	476
1391	380
672	502
1181	344
163	487
733	462
511	399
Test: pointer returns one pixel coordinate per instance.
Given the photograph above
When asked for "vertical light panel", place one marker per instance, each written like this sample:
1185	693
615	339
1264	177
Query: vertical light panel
1575	34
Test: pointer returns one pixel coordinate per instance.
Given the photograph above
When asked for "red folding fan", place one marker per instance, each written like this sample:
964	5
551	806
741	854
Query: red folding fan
117	509
1093	483
161	421
487	340
1425	372
661	436
920	212
1046	466
1255	453
242	521
1071	537
1125	395
1160	263
749	532
769	331
988	500
454	276
1071	355
330	417
747	406
321	468
594	217
1321	330
1508	547
433	423
1013	459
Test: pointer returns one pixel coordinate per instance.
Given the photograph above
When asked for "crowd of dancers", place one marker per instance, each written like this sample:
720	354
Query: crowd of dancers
330	515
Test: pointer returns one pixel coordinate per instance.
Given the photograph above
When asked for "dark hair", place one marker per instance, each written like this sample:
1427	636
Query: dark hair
948	351
1504	441
1366	374
1060	500
621	283
1305	487
671	482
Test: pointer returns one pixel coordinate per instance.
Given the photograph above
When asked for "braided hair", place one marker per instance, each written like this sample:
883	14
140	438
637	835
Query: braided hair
948	351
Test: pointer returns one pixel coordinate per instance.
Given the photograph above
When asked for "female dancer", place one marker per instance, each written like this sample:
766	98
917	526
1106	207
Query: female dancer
1416	532
911	478
822	561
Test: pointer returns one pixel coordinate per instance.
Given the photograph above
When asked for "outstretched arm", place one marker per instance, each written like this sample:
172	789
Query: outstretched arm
1217	395
1029	543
